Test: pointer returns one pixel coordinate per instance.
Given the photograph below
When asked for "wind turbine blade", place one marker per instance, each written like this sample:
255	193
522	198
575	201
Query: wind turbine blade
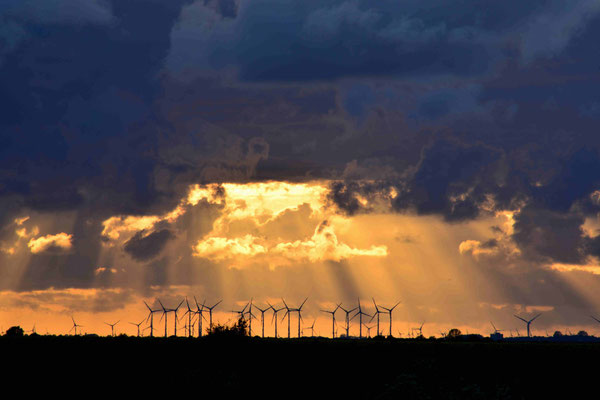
524	320
534	317
147	306
302	303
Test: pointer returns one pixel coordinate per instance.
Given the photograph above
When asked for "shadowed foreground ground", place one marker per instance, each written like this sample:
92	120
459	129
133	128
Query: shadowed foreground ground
309	368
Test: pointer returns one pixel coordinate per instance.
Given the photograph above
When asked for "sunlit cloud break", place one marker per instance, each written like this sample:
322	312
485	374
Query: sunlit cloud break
59	242
323	245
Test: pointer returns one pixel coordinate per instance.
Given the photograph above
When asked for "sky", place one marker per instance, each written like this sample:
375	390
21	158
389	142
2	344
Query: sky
443	155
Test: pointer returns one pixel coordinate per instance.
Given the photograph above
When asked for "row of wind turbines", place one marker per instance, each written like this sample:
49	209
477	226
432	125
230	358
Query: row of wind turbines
196	316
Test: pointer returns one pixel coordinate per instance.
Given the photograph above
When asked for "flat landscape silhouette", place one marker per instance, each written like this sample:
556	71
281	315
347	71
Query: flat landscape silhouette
233	365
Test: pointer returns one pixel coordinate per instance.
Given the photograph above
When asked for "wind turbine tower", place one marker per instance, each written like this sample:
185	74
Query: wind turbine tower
360	313
210	311
151	317
377	312
275	311
332	319
199	311
189	314
389	310
250	316
287	312
299	310
262	318
348	319
174	310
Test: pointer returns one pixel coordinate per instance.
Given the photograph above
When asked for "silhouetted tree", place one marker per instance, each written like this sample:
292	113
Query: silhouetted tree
582	333
240	328
557	334
14	331
454	333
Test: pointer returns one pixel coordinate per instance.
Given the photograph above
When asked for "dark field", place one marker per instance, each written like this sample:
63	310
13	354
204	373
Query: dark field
301	368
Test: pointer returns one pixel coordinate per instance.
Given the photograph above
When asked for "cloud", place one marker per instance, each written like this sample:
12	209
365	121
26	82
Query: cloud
219	248
477	248
144	246
58	243
322	246
59	11
567	20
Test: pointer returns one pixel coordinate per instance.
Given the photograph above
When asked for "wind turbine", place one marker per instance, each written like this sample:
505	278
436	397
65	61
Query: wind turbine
299	310
275	311
199	311
369	329
250	316
189	314
496	331
262	318
138	326
32	330
241	312
528	323
332	319
312	328
151	317
348	318
360	313
175	311
376	313
165	314
112	328
75	326
419	329
389	310
210	311
287	312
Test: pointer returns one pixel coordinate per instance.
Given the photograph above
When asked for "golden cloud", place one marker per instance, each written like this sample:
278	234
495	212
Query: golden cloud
475	248
323	245
262	201
220	248
115	227
60	241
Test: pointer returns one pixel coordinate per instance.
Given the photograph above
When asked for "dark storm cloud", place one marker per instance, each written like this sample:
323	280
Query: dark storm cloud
311	40
144	247
543	233
72	89
115	107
